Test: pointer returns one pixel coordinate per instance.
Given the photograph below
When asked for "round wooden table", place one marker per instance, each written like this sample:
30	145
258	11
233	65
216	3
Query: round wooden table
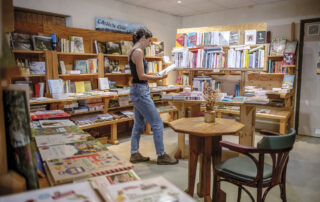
204	139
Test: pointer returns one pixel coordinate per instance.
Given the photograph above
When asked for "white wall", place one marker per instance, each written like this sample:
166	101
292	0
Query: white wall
278	16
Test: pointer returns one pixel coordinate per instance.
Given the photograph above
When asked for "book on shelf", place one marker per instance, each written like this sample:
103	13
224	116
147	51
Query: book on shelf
55	123
113	48
277	47
250	37
81	191
55	86
103	83
111	66
118	115
291	47
76	44
20	41
180	57
234	38
192	39
39	89
79	86
87	86
180	40
92	65
60	139
288	59
41	43
288	81
81	65
65	150
159	48
101	47
84	166
62	67
261	37
126	46
224	38
37	67
156	188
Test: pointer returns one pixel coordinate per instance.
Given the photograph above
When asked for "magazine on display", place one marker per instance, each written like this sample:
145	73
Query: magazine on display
65	138
91	165
70	149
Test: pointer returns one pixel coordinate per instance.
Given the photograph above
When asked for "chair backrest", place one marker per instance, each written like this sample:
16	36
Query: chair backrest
278	142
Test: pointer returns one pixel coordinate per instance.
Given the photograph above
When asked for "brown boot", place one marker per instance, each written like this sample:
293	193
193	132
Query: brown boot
137	157
165	159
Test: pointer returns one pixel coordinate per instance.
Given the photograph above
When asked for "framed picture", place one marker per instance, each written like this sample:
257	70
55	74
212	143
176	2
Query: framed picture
313	29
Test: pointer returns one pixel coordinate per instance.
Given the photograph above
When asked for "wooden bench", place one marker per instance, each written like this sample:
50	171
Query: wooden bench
282	116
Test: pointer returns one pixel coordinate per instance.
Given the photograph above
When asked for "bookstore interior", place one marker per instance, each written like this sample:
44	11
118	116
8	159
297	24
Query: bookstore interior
207	100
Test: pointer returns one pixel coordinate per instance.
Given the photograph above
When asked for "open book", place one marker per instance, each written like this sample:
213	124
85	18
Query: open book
167	70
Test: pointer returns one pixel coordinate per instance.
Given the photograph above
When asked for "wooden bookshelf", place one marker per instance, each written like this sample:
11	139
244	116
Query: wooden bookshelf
77	54
79	75
87	112
276	58
117	74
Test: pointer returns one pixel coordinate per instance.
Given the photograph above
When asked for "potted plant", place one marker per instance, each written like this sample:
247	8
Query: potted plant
209	95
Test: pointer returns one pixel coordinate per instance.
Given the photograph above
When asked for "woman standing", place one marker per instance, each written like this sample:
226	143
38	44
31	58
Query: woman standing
144	108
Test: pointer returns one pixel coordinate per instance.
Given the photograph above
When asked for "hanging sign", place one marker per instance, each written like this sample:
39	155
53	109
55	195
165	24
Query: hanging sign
109	25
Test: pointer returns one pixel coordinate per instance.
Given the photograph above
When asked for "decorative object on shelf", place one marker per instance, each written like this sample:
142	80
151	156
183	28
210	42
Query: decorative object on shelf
209	95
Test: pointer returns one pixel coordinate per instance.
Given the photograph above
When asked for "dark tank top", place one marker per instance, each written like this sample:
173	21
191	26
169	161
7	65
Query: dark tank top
133	69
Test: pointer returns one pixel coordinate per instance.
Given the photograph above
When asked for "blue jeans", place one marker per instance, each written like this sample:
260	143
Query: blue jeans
145	110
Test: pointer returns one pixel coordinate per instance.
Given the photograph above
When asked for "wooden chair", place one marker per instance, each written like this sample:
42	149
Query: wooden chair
254	172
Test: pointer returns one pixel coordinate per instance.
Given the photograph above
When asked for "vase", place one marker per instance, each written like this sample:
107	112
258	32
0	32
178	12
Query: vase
209	116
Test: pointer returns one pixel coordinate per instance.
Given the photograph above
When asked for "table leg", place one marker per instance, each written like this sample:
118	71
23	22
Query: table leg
193	160
180	153
217	193
205	172
248	118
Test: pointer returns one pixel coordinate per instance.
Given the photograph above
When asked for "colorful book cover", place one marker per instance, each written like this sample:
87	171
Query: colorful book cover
288	81
116	178
55	123
78	46
79	86
80	192
152	189
51	152
288	59
92	65
66	138
179	40
56	130
84	166
81	65
87	86
192	39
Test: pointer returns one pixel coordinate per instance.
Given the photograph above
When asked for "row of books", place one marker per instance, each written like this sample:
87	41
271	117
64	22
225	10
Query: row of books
154	66
224	38
244	57
214	57
281	46
89	66
182	80
74	44
155	49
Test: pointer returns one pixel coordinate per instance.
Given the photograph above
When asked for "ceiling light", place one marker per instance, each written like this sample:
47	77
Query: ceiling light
179	1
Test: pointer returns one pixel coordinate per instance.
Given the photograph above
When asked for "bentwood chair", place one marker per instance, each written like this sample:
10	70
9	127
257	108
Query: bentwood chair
247	170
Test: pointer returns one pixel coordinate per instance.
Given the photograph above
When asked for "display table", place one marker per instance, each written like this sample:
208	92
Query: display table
204	139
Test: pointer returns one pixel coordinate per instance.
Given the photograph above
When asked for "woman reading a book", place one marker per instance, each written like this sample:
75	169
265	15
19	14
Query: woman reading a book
144	108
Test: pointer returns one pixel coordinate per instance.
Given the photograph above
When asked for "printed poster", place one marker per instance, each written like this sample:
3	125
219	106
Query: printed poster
109	25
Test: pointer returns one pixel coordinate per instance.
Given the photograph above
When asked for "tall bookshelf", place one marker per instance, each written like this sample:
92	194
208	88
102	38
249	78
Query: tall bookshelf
52	65
226	70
